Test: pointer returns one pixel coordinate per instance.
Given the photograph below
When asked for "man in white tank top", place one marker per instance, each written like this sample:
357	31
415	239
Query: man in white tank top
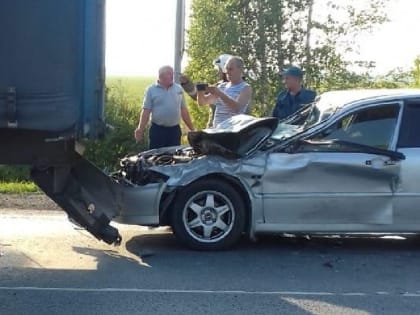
190	88
230	98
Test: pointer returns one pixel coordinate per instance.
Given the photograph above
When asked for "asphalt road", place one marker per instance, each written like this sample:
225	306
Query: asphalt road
47	266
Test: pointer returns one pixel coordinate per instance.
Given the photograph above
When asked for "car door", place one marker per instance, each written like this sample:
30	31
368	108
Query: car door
407	196
339	178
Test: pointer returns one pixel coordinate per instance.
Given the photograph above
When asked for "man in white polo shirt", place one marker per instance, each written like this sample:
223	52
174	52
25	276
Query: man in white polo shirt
164	101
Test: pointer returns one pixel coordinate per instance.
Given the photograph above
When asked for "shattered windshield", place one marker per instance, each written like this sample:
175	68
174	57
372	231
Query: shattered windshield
284	131
302	120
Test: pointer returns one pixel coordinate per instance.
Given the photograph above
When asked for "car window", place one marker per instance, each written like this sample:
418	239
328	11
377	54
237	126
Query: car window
373	126
410	126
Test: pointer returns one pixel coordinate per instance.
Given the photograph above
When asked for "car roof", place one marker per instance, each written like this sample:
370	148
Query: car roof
344	98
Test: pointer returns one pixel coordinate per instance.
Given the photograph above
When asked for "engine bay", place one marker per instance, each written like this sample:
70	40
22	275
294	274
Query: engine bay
135	169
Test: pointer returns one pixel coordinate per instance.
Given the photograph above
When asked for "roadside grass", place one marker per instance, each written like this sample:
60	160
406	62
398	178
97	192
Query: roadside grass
17	187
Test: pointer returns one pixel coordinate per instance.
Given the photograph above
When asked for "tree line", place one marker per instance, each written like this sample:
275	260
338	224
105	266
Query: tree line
317	35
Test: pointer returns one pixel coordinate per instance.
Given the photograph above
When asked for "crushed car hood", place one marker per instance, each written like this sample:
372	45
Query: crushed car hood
233	138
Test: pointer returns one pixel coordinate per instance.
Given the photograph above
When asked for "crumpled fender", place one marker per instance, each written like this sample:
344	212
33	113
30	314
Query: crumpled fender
245	170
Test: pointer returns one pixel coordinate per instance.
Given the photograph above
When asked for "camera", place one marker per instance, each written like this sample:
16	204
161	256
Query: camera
201	86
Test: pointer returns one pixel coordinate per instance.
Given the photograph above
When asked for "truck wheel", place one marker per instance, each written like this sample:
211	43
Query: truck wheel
208	215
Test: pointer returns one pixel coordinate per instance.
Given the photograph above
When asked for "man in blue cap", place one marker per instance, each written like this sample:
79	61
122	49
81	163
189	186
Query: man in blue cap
294	96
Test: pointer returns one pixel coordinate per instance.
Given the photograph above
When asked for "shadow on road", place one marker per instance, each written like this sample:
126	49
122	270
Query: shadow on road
356	244
347	262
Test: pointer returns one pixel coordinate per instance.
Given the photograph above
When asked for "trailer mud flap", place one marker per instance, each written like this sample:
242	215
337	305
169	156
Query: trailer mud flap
85	193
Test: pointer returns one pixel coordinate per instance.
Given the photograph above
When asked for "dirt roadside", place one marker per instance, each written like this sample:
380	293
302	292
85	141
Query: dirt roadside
27	201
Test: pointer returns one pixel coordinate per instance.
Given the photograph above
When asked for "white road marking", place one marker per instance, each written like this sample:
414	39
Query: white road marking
234	292
316	307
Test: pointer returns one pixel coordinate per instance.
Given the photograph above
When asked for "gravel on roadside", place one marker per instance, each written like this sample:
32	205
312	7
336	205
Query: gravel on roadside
28	201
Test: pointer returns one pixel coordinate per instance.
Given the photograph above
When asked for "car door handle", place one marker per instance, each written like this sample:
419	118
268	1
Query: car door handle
390	162
385	163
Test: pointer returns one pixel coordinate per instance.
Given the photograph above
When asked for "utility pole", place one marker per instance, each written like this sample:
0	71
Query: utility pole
179	37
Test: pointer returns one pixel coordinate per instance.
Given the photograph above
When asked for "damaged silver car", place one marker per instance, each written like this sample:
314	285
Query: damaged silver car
349	162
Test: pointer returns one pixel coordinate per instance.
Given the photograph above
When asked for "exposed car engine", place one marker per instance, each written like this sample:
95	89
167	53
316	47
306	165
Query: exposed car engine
135	169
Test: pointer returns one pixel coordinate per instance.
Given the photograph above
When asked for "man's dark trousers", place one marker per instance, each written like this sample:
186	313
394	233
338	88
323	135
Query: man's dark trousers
161	136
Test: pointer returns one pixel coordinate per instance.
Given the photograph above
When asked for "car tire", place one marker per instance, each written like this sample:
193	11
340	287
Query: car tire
208	215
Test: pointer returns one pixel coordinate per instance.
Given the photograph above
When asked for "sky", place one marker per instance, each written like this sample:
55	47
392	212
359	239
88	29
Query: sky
140	37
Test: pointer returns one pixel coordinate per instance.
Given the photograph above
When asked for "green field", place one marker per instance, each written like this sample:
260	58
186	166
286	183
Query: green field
133	87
